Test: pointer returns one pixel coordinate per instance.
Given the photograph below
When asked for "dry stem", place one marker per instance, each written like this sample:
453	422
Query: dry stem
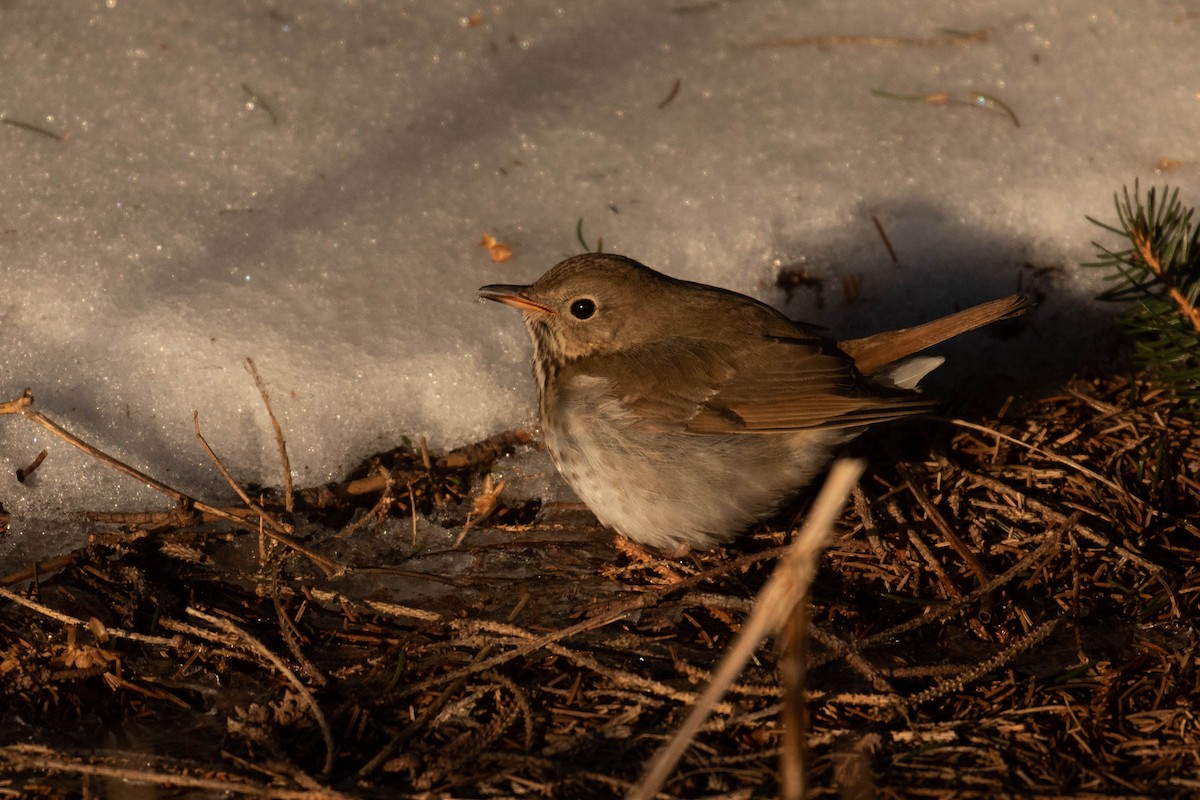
786	588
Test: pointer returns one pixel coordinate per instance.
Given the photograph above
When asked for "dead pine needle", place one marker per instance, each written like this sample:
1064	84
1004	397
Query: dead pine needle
279	531
583	242
29	126
289	503
412	507
949	536
1048	454
785	589
886	242
255	100
948	37
671	94
982	100
986	102
220	465
40	567
1070	646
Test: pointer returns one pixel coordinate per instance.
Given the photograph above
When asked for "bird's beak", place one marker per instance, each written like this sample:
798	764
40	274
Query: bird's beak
514	296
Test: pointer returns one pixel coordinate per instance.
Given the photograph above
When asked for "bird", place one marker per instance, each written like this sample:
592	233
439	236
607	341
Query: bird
682	413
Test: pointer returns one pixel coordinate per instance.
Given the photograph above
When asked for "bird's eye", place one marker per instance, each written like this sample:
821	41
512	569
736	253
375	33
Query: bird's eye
583	308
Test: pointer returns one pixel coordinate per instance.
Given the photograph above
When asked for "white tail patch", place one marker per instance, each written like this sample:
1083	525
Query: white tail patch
908	373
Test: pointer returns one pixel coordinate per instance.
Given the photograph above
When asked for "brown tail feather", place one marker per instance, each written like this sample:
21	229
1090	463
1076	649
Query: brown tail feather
880	349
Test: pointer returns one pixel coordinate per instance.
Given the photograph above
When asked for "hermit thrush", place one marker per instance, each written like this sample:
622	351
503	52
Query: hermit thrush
681	413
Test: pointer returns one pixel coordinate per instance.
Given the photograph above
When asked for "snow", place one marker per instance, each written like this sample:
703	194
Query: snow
307	183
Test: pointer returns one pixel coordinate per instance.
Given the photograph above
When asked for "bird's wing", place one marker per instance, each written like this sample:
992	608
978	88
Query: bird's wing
777	385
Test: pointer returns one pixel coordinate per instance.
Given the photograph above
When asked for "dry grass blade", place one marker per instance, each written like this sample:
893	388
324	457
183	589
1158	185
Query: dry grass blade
787	587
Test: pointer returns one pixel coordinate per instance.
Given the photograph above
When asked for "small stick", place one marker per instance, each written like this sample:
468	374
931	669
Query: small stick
42	567
22	474
377	512
423	446
957	683
432	710
620	611
292	636
1060	518
141	518
484	451
23	405
67	619
328	566
19	405
45	611
279	530
1026	563
850	653
288	502
376	482
471	455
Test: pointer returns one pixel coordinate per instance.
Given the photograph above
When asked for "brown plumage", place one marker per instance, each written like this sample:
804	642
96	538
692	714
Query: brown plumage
681	412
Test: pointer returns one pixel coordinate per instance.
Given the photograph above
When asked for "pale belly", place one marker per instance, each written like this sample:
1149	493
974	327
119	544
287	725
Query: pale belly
665	489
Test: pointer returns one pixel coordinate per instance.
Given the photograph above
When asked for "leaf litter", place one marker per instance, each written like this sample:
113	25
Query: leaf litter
1007	606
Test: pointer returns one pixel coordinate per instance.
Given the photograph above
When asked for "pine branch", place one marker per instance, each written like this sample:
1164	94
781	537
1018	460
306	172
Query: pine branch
1144	244
1160	272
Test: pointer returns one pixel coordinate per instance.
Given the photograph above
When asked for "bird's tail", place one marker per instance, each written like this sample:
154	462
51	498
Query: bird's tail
878	350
